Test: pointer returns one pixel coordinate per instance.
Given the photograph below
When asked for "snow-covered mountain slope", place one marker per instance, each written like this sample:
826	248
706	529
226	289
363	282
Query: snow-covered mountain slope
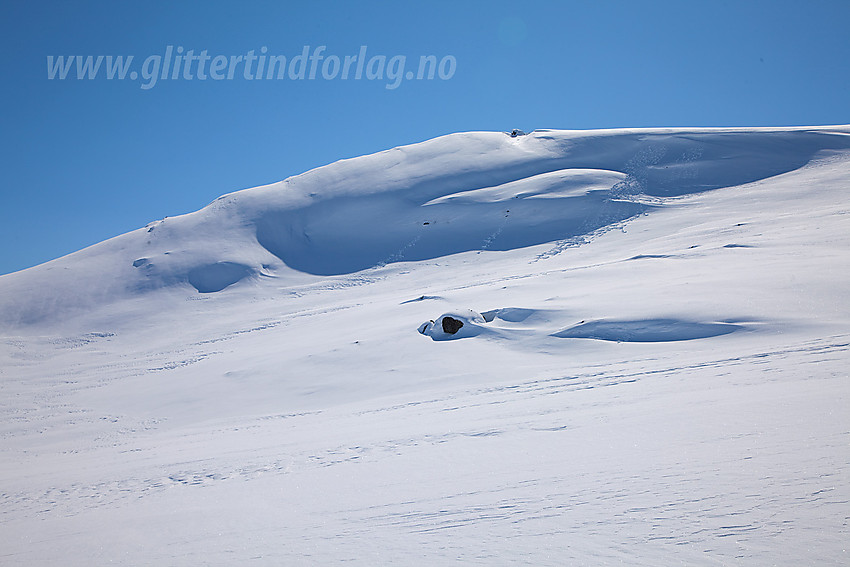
463	192
651	366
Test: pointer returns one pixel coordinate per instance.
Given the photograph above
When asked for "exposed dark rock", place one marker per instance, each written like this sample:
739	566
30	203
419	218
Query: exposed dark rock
451	325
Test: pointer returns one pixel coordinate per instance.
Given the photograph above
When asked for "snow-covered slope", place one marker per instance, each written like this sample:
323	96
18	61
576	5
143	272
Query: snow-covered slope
463	192
650	368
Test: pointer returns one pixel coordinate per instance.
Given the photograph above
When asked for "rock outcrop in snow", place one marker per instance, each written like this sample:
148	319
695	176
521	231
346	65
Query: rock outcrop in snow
453	325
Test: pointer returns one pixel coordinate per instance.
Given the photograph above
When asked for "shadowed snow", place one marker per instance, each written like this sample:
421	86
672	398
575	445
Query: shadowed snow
647	330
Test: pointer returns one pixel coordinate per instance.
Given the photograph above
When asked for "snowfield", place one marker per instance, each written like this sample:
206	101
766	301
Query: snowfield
652	366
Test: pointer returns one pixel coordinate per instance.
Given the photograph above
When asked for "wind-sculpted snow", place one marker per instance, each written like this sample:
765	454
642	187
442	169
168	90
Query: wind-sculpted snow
350	234
647	330
521	324
216	277
557	186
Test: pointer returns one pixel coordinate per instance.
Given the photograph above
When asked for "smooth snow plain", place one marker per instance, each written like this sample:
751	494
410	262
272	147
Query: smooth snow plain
653	367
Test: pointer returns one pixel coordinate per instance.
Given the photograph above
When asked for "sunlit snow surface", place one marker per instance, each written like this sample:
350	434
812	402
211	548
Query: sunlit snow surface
652	367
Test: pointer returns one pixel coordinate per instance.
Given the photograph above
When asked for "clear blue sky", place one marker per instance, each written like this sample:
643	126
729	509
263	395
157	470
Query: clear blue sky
85	160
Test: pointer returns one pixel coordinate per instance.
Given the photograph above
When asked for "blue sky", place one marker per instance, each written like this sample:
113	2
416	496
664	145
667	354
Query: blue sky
85	160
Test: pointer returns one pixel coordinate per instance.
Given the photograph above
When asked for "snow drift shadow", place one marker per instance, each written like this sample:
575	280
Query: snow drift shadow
216	277
510	314
347	235
646	330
